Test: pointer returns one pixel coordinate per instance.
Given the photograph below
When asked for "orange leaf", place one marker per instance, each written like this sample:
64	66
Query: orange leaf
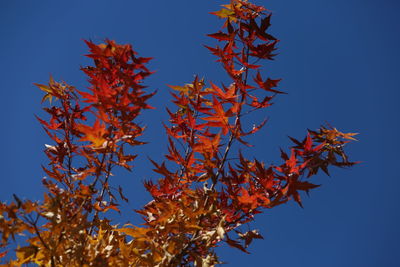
94	134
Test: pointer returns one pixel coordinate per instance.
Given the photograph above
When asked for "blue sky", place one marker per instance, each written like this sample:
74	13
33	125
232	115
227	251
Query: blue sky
339	61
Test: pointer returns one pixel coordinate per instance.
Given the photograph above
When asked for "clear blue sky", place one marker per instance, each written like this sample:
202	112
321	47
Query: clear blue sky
339	61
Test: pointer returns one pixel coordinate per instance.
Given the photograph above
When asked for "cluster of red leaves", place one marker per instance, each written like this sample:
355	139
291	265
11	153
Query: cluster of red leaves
202	197
89	131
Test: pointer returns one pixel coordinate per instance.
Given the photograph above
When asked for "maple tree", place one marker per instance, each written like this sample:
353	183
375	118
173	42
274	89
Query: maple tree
201	198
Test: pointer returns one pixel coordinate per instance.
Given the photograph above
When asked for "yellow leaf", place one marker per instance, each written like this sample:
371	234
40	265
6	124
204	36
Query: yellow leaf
183	89
26	254
139	233
224	13
43	87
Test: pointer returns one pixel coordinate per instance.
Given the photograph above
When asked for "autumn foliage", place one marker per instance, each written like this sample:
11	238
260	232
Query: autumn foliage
200	199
